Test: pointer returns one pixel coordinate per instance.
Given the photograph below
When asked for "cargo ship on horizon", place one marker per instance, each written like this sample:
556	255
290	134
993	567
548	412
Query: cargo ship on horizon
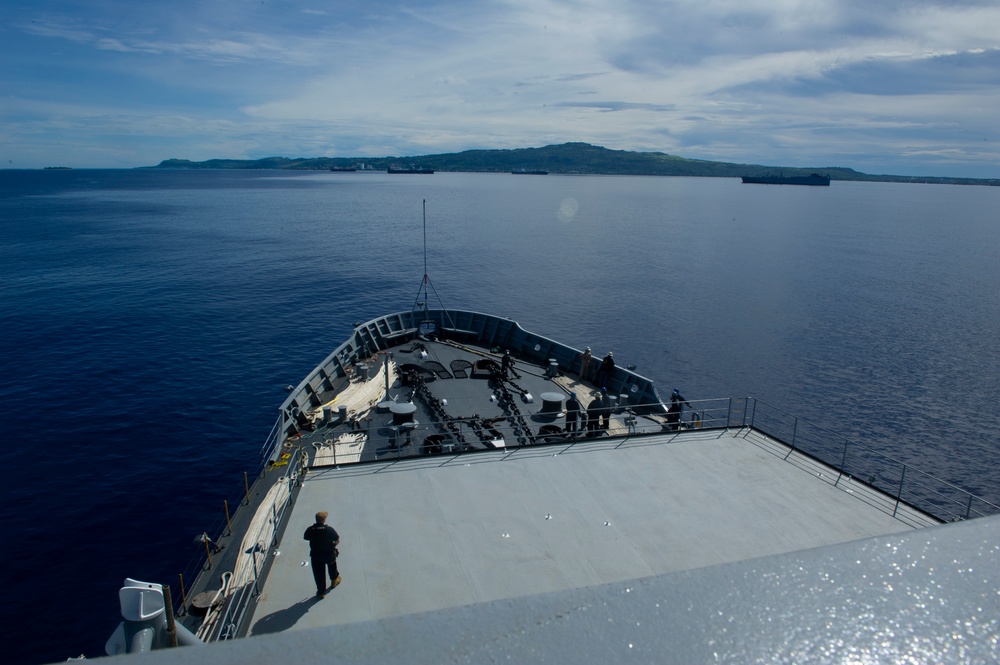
813	179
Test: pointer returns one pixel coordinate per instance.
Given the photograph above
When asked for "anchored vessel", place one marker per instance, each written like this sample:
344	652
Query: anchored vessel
813	179
456	479
409	169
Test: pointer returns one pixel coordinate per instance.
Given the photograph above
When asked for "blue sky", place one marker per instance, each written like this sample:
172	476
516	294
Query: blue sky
884	86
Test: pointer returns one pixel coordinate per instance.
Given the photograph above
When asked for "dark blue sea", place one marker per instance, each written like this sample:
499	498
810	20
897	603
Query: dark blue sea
150	320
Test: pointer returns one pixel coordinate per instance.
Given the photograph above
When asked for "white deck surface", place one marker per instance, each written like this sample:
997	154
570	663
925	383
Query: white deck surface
440	532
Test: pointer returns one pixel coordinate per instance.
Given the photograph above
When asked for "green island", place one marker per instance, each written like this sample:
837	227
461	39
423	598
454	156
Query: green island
566	158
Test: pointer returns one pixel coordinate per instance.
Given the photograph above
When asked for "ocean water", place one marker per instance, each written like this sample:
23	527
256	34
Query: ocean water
149	322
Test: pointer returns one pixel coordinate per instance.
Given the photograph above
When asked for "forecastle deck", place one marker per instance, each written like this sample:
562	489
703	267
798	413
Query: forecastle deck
426	534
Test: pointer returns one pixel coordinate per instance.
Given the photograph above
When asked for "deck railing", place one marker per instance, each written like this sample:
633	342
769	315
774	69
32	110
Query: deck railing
264	533
268	451
894	477
265	537
898	479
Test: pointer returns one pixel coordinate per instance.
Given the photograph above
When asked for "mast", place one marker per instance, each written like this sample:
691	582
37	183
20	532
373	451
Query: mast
426	278
425	283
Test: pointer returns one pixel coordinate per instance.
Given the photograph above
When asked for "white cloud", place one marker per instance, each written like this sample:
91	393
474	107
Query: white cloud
718	77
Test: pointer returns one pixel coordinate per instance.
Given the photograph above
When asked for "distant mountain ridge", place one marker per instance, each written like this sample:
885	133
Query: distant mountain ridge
566	158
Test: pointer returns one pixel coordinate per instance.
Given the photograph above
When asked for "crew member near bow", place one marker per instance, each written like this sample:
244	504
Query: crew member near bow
323	540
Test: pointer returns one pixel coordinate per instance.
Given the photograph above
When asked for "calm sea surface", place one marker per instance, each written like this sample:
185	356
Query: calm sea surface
149	322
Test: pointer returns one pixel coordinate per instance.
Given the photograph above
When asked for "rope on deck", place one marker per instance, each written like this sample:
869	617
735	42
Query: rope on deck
361	396
346	449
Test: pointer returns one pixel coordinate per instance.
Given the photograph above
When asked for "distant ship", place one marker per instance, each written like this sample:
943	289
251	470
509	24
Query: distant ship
411	169
813	179
343	169
529	172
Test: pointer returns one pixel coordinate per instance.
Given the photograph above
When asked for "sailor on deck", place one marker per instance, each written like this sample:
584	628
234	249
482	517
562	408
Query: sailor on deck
605	410
604	373
507	365
594	415
585	359
677	403
572	412
323	540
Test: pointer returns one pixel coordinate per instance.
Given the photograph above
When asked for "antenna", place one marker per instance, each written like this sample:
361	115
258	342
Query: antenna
425	283
426	279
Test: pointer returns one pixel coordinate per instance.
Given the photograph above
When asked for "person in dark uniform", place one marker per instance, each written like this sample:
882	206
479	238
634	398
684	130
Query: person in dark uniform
572	413
604	373
507	365
323	541
677	403
594	415
605	410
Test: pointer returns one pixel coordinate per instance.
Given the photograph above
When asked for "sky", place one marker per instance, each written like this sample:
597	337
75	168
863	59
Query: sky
906	87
